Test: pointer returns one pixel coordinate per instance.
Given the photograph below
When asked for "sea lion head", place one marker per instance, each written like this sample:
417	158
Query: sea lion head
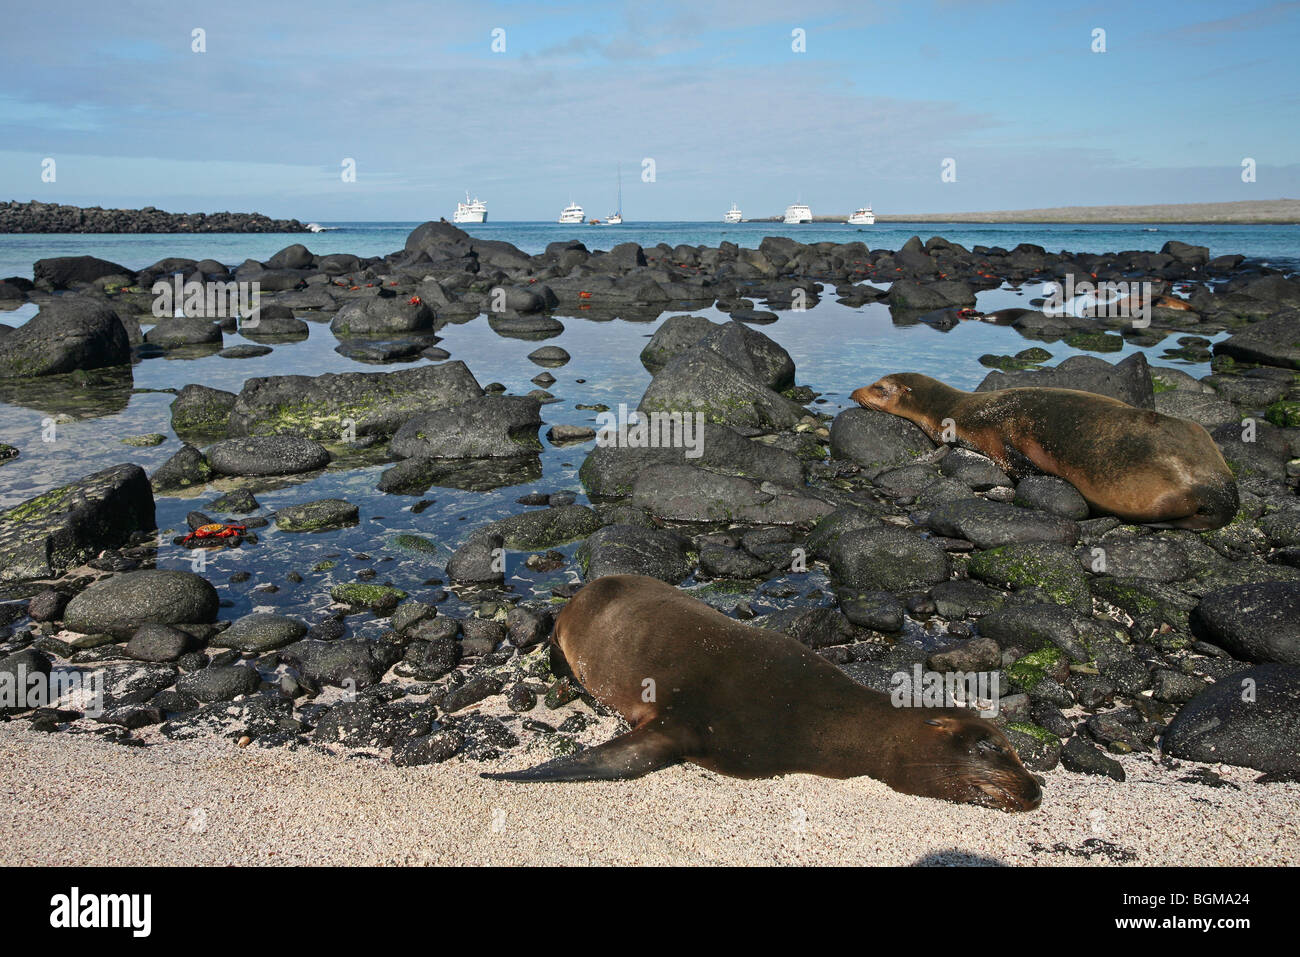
898	393
965	759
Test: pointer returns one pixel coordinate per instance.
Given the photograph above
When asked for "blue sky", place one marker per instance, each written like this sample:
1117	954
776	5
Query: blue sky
711	91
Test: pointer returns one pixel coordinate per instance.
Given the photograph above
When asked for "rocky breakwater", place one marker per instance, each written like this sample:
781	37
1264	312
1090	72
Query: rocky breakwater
37	217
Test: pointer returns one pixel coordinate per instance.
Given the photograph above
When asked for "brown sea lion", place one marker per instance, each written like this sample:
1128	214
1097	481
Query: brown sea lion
743	701
1134	463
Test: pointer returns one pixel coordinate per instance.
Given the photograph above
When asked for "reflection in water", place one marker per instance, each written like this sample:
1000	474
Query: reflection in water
81	394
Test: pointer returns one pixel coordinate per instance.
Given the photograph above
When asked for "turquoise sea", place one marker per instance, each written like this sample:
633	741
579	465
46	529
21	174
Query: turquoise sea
1279	245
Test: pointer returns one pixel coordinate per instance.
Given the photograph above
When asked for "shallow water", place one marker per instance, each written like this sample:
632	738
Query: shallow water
835	348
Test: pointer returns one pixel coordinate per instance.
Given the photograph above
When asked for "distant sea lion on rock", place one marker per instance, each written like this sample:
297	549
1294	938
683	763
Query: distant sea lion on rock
743	701
1134	463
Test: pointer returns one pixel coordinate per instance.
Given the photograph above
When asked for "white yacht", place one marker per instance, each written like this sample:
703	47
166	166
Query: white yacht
733	214
572	214
797	213
470	211
863	217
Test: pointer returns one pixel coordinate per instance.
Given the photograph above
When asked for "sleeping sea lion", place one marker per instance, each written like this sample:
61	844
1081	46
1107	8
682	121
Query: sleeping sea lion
743	701
1134	463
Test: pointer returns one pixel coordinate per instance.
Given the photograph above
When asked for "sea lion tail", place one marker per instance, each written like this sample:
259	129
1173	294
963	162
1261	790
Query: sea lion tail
640	751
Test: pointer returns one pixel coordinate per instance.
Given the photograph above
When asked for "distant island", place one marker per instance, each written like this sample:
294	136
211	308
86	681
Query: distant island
1255	211
35	217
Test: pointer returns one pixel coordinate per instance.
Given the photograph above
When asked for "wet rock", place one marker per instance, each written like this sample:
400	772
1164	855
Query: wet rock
877	441
1257	622
369	724
338	662
1273	341
887	558
972	469
267	455
153	642
570	434
992	524
238	502
878	610
367	403
612	469
428	749
1083	758
135	683
65	335
66	272
548	527
1150	557
171	333
1045	566
1038	751
219	682
974	654
244	351
122	603
1051	494
529	626
199	410
47	605
1128	380
1030	627
187	468
430	660
479	560
471	692
674	336
381	316
325	513
260	632
381	599
24	675
631	550
1249	719
1174	686
685	493
550	356
486	427
814	627
701	380
718	561
66	526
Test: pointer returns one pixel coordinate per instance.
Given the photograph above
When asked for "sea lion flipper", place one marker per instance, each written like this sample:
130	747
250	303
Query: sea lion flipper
640	751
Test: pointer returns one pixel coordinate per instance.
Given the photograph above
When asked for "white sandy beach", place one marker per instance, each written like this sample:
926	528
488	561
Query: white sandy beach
82	801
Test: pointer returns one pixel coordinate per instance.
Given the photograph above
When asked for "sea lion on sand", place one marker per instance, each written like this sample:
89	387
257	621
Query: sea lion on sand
698	686
1134	463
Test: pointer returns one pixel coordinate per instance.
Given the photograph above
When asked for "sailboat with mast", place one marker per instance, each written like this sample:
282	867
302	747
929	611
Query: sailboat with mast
616	218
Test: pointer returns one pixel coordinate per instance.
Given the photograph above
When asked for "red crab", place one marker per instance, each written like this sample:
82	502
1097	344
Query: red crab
217	530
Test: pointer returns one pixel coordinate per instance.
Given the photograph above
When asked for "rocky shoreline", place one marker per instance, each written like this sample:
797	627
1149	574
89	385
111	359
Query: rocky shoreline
933	556
37	217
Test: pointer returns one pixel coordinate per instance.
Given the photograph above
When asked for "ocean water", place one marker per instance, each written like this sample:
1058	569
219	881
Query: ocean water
1278	245
66	430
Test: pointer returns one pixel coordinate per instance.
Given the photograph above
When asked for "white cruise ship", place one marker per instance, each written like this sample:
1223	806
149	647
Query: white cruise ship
571	214
797	213
733	214
863	217
470	211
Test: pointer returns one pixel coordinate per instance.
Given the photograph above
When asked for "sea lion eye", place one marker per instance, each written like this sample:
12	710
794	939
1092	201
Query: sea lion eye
934	721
